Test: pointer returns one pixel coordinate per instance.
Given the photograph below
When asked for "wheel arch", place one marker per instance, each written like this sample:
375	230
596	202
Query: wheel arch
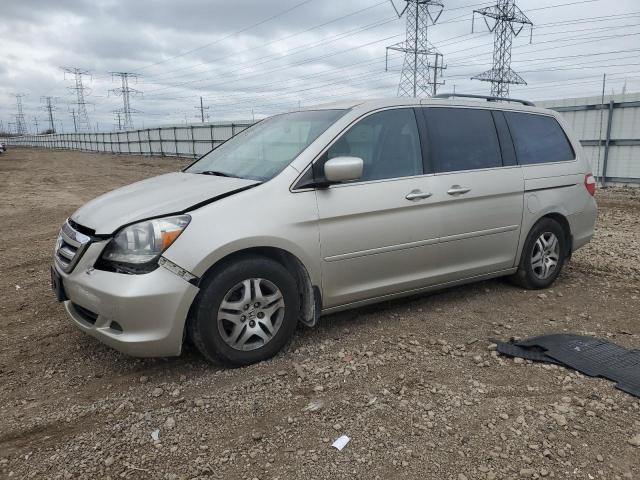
310	295
566	227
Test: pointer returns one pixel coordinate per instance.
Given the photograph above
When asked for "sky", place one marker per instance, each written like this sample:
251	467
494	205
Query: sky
250	58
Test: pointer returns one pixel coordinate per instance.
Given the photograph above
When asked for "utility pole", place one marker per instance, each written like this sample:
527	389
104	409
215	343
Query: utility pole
35	122
508	22
437	67
202	108
75	125
118	114
415	79
49	108
81	105
604	83
21	126
125	91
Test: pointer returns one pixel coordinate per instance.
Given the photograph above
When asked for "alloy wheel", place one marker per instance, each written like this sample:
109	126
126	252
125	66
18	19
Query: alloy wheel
545	255
250	314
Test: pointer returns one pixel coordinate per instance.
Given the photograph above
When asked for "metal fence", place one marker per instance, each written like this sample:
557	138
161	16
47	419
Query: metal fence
609	131
189	141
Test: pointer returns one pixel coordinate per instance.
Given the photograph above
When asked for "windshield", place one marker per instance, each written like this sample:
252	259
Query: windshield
263	150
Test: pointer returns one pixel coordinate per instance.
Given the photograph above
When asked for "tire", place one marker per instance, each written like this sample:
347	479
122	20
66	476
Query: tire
531	273
218	331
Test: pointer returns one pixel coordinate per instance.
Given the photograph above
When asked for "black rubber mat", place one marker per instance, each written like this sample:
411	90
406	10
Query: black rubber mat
535	354
591	356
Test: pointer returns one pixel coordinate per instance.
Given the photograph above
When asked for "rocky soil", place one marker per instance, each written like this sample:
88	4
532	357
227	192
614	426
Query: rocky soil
414	383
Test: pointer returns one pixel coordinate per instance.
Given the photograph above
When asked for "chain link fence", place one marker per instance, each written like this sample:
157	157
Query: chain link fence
189	141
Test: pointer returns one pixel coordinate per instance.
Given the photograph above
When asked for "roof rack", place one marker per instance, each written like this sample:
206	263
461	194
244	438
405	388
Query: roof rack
485	97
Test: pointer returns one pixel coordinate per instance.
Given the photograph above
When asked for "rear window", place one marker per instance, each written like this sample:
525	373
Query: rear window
462	139
538	139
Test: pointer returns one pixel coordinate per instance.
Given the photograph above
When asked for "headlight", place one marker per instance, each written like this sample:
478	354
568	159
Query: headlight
136	248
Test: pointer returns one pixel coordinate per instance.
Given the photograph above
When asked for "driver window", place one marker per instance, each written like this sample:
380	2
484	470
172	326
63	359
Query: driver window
387	142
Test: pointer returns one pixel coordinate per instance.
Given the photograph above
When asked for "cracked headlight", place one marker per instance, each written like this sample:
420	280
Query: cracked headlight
137	248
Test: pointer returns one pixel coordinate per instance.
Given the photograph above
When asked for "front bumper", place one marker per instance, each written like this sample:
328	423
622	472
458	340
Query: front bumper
139	315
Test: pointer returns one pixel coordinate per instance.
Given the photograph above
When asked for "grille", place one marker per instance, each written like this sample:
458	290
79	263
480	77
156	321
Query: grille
70	246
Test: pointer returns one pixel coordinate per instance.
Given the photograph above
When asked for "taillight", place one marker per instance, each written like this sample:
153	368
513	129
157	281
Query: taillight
590	184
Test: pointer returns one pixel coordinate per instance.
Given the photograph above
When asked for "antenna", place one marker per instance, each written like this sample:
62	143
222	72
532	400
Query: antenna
415	80
509	21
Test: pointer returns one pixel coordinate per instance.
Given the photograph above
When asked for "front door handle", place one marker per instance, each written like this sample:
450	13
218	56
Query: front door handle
458	190
414	195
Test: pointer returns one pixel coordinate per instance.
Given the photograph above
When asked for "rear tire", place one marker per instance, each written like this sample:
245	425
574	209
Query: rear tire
543	255
247	311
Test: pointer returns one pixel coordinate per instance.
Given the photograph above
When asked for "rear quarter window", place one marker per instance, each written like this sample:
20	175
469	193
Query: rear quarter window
538	139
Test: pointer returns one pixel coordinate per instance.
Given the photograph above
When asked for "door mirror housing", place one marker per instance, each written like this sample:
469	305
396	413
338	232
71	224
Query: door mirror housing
343	169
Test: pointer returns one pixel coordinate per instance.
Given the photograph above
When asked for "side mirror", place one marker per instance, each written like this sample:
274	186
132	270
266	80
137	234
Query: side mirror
343	169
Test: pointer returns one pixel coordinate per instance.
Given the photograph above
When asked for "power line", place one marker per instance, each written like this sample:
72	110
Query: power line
242	30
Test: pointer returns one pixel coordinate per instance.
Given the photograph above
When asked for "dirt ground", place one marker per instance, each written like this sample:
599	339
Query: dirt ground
413	382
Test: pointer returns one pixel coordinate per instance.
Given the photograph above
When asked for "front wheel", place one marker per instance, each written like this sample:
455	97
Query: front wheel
247	311
543	255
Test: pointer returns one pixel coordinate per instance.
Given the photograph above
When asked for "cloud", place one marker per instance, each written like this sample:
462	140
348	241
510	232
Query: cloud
251	57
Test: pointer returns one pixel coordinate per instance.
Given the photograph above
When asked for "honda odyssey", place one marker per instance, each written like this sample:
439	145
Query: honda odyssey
322	210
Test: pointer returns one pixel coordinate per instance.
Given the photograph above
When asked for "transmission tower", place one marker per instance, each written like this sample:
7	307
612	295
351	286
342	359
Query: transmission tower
21	126
49	107
81	116
415	80
125	92
75	121
508	22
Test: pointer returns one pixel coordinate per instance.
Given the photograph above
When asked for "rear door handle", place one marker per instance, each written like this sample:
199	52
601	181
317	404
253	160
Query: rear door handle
414	195
458	190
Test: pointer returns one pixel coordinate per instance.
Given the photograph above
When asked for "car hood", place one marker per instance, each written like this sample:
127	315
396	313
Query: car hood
167	194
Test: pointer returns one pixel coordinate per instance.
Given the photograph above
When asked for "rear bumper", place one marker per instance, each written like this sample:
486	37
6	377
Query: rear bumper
139	315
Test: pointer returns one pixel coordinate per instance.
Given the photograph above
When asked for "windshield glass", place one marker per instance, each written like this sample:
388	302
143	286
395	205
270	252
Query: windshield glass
266	148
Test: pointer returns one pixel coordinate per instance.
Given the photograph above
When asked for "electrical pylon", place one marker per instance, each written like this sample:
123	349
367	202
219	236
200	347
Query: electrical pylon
81	116
509	21
125	92
416	78
21	126
49	107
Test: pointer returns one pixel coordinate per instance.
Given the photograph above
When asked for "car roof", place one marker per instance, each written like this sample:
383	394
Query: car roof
374	104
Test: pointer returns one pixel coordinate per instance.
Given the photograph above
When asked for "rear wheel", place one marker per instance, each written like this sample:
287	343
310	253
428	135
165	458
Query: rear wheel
247	312
543	255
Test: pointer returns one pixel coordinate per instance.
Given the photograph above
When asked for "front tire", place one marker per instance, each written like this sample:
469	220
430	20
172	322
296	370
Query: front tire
543	255
247	311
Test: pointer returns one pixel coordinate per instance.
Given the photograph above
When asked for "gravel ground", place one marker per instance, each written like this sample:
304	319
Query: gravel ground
413	383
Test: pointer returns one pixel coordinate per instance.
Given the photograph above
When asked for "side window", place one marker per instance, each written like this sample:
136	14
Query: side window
461	139
538	139
387	142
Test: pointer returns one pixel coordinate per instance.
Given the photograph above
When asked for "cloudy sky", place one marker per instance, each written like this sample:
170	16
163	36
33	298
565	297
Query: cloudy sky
254	57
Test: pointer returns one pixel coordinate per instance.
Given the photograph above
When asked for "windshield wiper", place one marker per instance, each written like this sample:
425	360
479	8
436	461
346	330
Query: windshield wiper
217	174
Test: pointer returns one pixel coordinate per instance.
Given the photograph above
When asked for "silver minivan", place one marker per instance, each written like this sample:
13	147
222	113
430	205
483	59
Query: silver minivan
322	210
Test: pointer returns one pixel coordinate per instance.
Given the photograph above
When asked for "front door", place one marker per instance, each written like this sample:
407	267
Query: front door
379	234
